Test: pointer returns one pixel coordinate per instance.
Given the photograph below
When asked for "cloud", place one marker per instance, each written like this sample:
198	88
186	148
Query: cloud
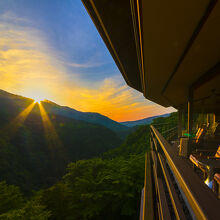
85	65
114	99
29	66
10	17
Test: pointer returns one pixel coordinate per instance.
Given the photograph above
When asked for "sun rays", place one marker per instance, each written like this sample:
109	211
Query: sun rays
17	122
51	135
50	132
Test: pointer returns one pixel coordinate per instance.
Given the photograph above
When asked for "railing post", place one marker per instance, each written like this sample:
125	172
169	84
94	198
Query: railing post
190	120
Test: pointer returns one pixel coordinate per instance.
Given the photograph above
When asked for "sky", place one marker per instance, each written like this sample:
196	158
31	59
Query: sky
50	49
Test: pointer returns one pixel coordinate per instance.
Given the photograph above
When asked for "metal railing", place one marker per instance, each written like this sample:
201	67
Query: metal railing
168	130
172	189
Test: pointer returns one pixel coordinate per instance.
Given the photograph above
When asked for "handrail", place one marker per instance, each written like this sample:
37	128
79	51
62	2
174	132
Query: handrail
177	207
203	202
173	195
164	210
147	211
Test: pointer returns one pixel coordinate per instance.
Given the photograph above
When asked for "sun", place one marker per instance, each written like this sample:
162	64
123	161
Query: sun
38	100
37	95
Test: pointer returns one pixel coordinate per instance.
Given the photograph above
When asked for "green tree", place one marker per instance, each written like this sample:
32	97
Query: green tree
98	189
32	210
135	143
11	197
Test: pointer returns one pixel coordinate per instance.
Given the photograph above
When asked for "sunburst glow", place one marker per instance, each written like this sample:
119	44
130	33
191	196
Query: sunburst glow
13	126
50	132
38	100
36	93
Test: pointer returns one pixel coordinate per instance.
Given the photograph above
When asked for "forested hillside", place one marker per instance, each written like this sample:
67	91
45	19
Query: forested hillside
35	149
107	187
73	171
90	117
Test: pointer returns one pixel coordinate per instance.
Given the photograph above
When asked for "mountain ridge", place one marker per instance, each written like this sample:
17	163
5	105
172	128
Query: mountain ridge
143	121
91	117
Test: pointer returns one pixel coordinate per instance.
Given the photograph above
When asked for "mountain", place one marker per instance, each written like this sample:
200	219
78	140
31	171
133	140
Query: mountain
36	147
144	121
90	117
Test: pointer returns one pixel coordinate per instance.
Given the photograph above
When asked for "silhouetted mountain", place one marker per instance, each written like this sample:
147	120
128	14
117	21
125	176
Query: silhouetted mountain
91	117
144	121
35	148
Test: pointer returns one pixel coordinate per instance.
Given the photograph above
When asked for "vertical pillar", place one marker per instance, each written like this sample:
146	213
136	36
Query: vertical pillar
213	124
190	120
207	119
180	122
185	117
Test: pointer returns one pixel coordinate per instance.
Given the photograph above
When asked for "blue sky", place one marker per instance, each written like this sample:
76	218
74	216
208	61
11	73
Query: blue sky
68	28
51	49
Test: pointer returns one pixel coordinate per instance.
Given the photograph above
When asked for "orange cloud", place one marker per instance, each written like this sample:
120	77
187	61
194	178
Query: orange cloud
113	99
30	67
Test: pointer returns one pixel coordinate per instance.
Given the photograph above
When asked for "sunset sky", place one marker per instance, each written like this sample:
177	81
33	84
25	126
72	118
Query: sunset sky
50	49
